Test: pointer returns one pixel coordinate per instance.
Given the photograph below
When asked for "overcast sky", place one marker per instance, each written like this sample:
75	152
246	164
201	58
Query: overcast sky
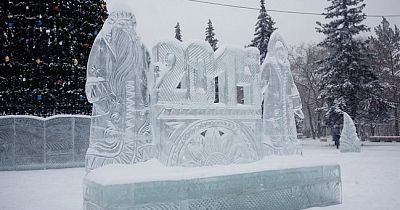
156	19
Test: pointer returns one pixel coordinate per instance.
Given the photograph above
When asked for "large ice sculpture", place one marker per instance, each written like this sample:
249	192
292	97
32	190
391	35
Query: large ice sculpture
349	141
117	87
193	123
205	114
281	101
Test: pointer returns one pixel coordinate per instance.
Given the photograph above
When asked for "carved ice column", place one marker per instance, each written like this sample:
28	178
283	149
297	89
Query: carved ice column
200	66
281	101
237	71
117	87
248	76
227	60
169	75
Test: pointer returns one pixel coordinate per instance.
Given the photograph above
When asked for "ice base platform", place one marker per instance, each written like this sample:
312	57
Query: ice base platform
150	185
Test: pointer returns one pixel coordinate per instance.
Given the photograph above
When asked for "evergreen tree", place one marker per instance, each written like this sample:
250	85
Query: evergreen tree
178	32
47	44
264	29
386	48
210	35
348	83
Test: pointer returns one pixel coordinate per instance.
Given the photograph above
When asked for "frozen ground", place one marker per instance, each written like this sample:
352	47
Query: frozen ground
371	180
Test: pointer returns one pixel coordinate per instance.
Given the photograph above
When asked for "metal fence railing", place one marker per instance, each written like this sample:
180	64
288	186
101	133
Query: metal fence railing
28	142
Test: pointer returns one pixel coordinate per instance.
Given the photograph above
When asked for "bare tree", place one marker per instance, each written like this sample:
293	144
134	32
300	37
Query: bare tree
304	59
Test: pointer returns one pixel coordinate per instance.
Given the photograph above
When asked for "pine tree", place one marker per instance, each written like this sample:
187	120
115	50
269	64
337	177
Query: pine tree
47	44
264	29
348	83
178	32
386	48
210	36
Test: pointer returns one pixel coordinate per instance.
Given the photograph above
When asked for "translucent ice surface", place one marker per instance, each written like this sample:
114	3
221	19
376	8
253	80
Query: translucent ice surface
281	101
349	141
192	107
244	186
28	142
117	87
205	107
194	111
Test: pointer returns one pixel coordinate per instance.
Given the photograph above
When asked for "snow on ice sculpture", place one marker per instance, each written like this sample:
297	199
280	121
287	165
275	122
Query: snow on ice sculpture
349	141
117	87
193	130
281	101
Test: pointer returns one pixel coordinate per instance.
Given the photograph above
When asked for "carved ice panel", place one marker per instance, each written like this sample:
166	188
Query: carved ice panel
59	140
7	155
212	142
29	141
81	138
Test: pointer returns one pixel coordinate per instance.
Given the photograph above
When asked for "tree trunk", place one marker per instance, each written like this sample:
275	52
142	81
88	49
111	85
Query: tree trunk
372	128
311	121
396	122
319	127
363	134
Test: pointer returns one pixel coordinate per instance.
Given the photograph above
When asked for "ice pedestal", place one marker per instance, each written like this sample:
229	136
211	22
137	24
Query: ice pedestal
244	186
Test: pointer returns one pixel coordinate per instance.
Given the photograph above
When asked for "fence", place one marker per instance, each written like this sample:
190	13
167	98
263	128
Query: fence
28	142
45	110
380	129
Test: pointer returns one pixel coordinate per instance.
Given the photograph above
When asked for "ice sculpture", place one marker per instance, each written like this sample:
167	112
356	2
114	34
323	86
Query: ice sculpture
349	141
192	130
281	101
193	123
204	115
117	87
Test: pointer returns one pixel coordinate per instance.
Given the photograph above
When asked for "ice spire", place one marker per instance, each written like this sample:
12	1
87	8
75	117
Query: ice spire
349	141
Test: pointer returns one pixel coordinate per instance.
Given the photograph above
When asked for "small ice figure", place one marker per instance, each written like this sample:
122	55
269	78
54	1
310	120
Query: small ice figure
349	141
281	101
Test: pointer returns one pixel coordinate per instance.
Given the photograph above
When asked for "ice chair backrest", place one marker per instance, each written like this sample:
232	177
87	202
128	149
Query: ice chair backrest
206	106
194	74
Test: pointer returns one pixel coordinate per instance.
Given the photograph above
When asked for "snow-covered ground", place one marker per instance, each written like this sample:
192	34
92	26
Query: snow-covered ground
371	180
